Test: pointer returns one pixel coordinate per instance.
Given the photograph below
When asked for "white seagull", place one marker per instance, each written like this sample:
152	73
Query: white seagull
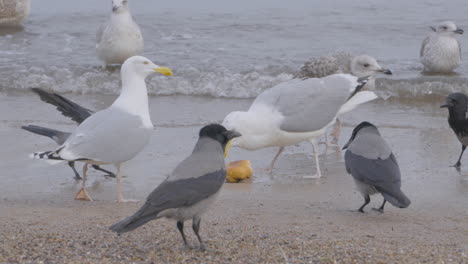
13	12
120	37
292	112
116	134
441	51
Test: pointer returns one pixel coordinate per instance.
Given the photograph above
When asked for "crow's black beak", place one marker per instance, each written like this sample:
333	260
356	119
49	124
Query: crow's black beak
347	144
459	31
230	134
446	105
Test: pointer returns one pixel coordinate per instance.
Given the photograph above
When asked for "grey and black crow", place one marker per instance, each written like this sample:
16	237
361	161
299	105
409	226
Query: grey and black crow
457	104
191	188
69	109
373	166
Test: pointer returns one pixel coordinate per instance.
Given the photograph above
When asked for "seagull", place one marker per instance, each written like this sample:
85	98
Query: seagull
116	134
60	137
191	188
13	12
457	104
344	62
440	50
341	62
294	111
69	109
120	37
370	161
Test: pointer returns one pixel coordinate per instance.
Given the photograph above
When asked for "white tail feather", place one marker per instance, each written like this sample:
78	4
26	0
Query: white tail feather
54	162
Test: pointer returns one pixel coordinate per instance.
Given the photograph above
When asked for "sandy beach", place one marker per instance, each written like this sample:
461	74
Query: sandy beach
280	218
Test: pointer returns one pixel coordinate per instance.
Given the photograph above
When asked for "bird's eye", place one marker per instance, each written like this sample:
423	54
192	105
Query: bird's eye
366	65
444	28
146	62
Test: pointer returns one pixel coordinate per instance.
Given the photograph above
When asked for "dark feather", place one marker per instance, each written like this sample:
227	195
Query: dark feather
68	108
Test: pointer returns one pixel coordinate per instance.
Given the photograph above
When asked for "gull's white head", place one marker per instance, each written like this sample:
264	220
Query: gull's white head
119	6
364	65
143	67
447	28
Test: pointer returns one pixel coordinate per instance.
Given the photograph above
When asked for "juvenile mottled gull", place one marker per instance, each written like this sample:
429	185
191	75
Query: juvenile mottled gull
344	62
341	62
191	188
294	111
120	37
441	51
457	104
373	166
13	12
69	109
116	134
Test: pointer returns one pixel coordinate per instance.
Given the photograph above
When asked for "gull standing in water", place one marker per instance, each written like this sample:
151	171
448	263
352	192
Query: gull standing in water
69	109
116	134
441	51
120	37
13	12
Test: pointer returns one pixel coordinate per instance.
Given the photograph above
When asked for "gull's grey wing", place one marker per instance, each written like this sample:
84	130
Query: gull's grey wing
423	46
383	174
96	137
68	108
459	49
58	136
308	105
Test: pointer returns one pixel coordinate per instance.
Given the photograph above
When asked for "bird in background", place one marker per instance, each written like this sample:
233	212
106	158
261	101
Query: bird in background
457	105
191	188
69	109
345	62
441	50
293	111
370	161
13	12
120	37
116	134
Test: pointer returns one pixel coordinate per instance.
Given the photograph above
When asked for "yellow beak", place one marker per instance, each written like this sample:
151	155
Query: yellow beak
164	70
226	149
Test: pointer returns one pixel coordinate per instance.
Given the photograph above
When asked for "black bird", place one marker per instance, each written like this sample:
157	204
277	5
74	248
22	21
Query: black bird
457	104
373	166
69	109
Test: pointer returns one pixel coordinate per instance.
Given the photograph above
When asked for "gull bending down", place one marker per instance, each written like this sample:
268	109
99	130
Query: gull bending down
292	112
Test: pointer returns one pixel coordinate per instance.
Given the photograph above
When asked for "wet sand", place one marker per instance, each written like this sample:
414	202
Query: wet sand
271	219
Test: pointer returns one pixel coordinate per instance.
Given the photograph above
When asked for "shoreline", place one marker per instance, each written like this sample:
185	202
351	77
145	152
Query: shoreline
271	219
